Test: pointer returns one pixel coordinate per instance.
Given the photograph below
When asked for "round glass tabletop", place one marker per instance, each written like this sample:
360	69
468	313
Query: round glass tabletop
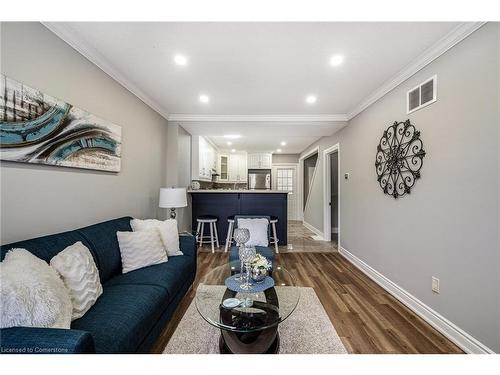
256	310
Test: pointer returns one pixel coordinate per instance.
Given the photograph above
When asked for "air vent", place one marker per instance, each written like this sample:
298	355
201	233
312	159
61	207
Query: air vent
422	95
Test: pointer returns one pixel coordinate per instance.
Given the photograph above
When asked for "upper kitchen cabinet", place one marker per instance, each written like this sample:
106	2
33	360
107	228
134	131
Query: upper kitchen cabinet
204	159
223	167
259	161
238	171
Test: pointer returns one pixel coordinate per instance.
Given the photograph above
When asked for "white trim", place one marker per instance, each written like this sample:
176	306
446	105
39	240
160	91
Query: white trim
74	40
300	179
461	338
309	153
420	105
256	118
313	229
455	36
327	217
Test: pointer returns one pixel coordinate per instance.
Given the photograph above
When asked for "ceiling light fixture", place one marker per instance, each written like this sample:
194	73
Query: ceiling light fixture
311	99
180	60
336	60
278	150
283	143
204	99
233	150
229	143
232	136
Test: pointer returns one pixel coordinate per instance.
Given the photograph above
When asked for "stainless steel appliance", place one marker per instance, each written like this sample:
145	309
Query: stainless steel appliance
259	179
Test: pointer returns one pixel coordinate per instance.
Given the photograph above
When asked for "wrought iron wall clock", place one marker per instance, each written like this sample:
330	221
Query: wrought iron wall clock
399	158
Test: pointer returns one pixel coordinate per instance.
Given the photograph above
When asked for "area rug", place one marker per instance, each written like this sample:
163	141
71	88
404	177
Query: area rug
307	331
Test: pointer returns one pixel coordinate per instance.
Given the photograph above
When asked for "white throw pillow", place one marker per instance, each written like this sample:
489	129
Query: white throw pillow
258	231
168	232
140	249
32	294
80	275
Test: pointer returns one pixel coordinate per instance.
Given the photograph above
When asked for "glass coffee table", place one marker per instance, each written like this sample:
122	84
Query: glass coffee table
252	326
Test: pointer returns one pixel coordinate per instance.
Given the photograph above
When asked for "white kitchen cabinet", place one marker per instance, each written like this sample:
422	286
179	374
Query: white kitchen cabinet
259	161
204	157
223	167
238	171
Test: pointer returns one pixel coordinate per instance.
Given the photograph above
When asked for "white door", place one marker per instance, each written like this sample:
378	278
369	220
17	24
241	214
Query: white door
285	179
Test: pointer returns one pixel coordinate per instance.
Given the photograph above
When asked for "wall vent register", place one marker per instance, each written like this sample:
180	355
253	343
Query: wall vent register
422	95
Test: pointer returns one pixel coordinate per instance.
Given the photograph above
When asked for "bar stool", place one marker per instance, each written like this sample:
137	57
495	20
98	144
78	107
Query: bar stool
274	238
212	223
230	230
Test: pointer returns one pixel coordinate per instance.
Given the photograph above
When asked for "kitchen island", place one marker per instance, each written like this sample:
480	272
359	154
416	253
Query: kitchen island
224	202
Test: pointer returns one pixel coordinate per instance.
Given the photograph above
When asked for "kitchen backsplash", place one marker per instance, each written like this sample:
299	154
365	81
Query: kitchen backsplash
221	185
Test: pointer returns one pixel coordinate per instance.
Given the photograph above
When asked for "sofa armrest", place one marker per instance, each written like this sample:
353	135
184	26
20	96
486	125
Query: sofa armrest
188	244
29	340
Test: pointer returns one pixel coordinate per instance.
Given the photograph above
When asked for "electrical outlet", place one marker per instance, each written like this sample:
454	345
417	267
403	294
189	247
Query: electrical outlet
435	284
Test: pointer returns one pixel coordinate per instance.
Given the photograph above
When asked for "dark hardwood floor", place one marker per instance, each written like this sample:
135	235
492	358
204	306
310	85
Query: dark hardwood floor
366	317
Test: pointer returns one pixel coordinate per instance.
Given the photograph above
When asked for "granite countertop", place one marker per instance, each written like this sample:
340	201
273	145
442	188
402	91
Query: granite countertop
237	191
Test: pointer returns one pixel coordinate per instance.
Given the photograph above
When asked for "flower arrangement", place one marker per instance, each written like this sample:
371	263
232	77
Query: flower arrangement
261	263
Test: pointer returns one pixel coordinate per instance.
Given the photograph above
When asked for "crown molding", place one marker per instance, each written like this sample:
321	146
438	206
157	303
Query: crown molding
74	40
454	37
256	118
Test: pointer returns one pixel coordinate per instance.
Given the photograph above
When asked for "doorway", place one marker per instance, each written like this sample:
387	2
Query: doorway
285	178
331	177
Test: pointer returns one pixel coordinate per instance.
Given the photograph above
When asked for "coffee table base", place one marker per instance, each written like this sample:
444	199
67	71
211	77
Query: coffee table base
229	343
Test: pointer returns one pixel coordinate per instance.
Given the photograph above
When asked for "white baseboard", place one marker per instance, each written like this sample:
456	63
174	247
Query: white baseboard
461	338
313	229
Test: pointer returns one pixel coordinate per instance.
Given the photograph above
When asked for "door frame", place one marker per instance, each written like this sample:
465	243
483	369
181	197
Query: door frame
295	166
327	212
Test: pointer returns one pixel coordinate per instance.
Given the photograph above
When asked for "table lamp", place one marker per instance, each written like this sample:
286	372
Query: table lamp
172	198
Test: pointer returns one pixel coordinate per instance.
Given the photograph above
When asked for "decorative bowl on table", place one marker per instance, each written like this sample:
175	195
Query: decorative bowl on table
259	268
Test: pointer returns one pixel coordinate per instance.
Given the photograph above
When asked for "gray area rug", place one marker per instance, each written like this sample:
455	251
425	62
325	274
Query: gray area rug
307	331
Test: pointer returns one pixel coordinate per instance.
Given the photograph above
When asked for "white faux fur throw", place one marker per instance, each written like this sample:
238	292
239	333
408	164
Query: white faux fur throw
31	293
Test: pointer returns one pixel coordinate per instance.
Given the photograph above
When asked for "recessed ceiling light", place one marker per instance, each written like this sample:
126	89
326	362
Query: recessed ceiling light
278	150
283	143
180	60
336	60
232	136
233	150
229	143
204	99
311	99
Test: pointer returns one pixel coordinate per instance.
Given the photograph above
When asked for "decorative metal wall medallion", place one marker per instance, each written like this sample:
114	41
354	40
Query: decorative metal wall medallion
399	158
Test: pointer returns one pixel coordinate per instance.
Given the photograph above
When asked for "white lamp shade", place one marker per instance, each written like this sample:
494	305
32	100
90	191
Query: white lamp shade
172	198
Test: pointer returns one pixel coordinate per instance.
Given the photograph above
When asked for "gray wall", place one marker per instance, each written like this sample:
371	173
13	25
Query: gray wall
285	158
179	170
38	200
448	227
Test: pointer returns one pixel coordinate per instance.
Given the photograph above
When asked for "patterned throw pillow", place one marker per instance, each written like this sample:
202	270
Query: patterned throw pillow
32	294
141	249
79	273
168	232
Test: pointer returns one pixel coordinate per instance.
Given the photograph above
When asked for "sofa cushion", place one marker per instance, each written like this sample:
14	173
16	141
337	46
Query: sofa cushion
104	245
123	316
171	275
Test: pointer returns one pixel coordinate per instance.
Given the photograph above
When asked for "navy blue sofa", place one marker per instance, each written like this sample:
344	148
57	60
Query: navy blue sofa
133	309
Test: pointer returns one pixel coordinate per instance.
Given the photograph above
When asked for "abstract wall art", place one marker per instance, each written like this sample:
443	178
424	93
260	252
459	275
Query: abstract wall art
38	128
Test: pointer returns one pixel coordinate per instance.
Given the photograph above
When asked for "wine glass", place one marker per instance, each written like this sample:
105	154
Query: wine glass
241	236
247	254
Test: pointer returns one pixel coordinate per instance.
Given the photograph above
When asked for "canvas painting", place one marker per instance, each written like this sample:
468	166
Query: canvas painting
38	128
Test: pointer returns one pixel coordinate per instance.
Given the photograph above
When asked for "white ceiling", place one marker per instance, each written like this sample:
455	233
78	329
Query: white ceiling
255	69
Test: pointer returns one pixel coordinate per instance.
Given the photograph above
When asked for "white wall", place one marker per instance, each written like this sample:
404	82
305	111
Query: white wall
39	200
449	226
